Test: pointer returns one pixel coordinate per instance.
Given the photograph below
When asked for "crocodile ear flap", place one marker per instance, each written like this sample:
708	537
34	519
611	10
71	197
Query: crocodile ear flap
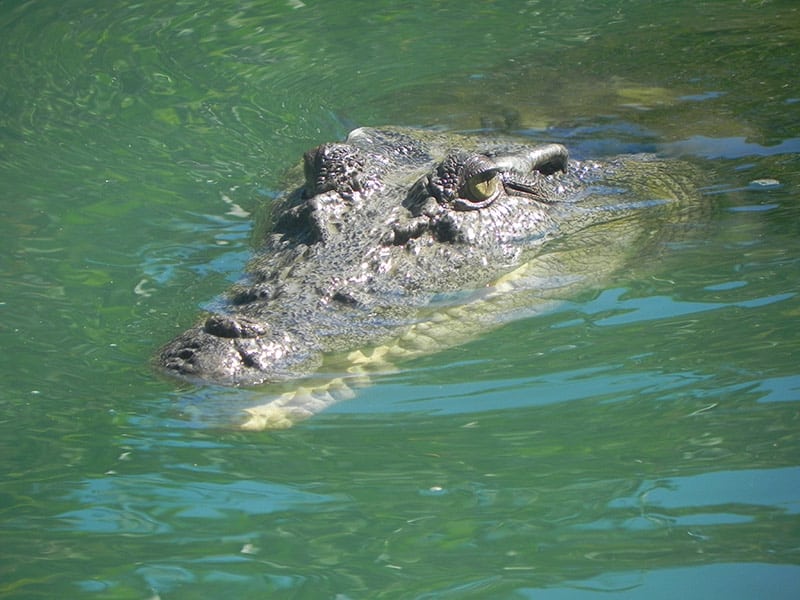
546	159
549	158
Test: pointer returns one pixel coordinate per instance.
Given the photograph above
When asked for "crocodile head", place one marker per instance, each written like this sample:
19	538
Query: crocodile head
386	224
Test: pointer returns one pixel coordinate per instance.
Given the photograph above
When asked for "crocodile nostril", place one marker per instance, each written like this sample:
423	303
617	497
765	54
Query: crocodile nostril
229	327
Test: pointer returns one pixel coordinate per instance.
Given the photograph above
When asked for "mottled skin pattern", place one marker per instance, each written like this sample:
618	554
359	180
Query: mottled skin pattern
393	221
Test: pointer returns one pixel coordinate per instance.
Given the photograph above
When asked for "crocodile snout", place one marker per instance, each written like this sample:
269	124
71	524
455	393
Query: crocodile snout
235	351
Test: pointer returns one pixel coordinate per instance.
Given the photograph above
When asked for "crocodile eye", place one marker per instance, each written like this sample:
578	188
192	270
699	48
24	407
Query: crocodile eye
483	187
481	182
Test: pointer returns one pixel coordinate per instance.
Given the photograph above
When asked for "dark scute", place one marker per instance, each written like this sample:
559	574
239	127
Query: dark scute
445	228
334	167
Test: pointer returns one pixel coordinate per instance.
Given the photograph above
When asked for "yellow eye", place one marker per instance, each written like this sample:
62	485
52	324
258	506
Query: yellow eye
483	186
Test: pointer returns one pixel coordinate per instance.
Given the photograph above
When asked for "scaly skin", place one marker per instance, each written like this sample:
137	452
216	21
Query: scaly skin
404	242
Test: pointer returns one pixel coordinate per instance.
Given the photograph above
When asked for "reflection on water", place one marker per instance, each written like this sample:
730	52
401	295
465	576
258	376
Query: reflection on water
711	581
639	440
133	504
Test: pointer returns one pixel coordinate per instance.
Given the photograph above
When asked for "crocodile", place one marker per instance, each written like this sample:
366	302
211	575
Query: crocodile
402	242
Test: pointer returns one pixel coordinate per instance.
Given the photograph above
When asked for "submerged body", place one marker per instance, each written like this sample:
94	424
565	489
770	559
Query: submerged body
402	242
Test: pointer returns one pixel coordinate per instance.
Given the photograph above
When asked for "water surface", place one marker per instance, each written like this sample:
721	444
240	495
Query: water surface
641	439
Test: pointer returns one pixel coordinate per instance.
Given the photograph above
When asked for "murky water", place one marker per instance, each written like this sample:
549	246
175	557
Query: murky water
641	439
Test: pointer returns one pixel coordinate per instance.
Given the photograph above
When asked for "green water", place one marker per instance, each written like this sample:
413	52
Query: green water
640	441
